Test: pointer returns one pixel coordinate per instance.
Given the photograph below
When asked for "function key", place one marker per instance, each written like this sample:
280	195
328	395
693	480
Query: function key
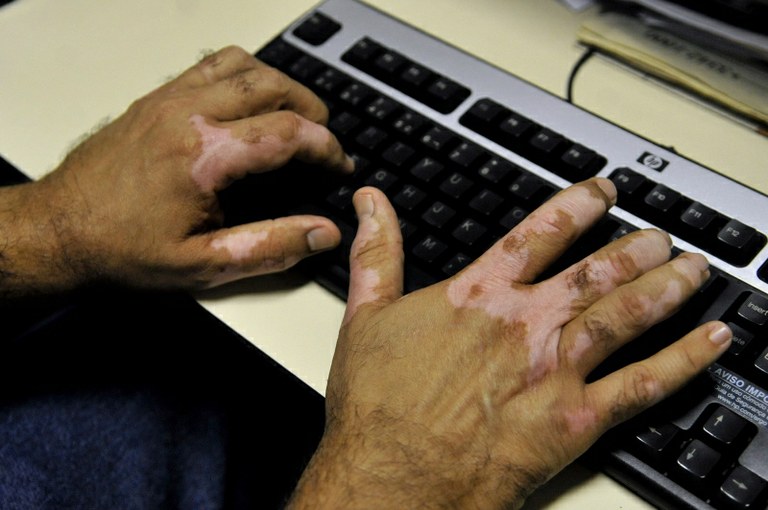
444	94
363	53
415	76
483	116
738	243
698	216
628	182
580	163
661	199
513	129
317	29
735	234
389	63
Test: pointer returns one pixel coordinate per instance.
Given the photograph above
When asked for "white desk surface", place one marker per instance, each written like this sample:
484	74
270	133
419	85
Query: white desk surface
65	66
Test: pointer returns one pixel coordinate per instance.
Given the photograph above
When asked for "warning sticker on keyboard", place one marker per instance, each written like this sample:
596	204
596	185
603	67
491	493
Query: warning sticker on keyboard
740	395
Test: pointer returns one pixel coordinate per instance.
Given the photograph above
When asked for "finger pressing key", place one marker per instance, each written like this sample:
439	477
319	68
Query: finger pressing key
545	234
631	309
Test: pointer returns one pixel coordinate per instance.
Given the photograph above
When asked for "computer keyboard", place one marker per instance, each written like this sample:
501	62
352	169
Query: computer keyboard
465	151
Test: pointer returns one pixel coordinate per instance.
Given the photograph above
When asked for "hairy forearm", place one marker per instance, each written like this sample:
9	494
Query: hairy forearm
34	260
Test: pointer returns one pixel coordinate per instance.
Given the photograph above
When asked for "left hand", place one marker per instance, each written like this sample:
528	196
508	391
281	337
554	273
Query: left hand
136	203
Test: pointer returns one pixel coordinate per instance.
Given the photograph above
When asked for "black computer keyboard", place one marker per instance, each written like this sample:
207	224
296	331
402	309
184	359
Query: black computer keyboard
465	151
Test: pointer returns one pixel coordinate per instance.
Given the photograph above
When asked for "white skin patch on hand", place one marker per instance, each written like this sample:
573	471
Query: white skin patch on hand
365	281
239	247
217	147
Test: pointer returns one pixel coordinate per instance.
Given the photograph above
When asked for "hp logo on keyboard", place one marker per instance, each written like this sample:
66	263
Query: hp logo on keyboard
653	161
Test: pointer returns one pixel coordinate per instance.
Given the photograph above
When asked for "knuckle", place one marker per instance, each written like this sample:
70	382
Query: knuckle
600	330
634	308
638	393
622	262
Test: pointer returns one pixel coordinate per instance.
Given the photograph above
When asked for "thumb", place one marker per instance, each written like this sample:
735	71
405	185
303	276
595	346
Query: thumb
376	258
266	246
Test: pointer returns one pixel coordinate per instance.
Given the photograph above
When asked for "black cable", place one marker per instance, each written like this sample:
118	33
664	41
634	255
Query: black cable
582	60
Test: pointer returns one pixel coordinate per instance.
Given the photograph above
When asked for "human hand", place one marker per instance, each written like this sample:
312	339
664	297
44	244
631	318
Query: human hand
137	201
472	392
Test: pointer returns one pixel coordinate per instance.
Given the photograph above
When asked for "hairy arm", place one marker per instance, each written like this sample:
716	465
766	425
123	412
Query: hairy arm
472	392
137	202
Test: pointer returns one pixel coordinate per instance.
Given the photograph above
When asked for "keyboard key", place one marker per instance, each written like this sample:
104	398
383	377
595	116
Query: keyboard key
343	123
486	202
389	63
662	199
547	141
382	179
439	139
410	123
438	214
698	216
530	187
305	68
330	80
655	438
580	163
356	94
456	264
741	339
362	53
444	94
513	217
382	107
735	234
426	169
742	487
469	231
429	249
513	130
398	154
754	309
628	182
371	138
724	425
495	169
761	363
278	54
415	76
455	185
698	459
409	197
317	29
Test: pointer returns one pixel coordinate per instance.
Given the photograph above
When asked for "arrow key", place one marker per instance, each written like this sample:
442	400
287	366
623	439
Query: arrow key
742	487
724	425
698	459
655	438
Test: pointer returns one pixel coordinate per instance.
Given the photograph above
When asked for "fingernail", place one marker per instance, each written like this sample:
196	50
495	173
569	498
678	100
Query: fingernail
700	261
349	164
320	239
608	188
364	205
721	335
